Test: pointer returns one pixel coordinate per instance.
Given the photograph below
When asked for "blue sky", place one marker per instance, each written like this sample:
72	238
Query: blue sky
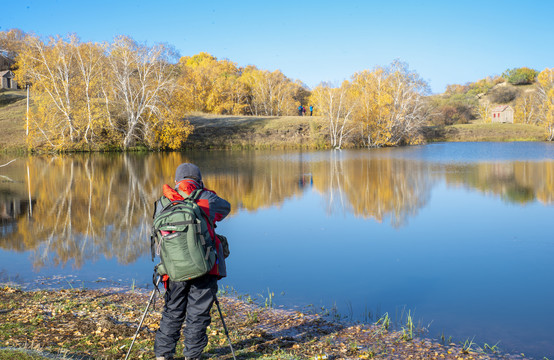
446	42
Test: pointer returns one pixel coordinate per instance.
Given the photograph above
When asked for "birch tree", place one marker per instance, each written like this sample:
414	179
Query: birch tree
391	108
271	93
50	67
11	43
336	105
485	111
546	96
142	78
90	63
525	109
372	114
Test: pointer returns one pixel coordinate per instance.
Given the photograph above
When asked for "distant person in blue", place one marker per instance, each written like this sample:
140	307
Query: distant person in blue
300	108
311	110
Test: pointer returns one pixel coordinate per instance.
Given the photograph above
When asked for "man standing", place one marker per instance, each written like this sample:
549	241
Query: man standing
190	301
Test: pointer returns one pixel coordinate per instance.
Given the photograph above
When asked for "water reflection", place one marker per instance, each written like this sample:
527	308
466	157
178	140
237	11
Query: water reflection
83	207
516	182
12	207
373	187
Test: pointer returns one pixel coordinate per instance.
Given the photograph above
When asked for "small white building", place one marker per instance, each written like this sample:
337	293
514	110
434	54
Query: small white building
503	114
7	80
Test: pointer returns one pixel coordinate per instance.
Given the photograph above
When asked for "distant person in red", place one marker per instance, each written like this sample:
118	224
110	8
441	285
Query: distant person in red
303	110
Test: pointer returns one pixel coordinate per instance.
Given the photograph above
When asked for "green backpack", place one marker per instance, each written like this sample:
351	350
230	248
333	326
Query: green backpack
181	238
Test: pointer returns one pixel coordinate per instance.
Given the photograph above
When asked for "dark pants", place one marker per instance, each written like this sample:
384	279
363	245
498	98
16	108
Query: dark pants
189	302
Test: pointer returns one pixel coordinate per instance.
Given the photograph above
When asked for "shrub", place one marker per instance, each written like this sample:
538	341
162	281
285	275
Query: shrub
520	76
499	80
480	87
503	95
454	107
453	113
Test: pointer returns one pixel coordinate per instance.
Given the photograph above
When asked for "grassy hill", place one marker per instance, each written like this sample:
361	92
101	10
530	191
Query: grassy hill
13	107
479	131
225	131
506	94
222	131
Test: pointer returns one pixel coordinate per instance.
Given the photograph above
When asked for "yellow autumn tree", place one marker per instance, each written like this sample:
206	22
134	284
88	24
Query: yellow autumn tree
140	80
89	95
210	85
270	93
374	91
525	109
484	111
391	109
11	43
546	95
169	128
64	75
90	63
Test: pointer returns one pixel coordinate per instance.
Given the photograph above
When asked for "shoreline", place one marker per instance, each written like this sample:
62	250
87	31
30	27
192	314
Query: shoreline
100	323
233	132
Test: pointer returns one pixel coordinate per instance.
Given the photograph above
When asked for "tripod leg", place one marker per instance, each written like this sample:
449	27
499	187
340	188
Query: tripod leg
225	327
142	319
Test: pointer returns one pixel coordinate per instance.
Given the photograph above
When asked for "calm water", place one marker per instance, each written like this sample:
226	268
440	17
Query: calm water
458	234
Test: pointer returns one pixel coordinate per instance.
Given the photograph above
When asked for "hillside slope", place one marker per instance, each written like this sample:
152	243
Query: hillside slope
13	107
506	94
226	131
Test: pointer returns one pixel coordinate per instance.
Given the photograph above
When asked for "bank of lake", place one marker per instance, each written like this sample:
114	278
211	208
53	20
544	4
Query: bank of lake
265	132
100	324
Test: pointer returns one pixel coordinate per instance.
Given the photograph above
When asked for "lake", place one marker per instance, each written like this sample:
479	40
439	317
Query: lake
457	234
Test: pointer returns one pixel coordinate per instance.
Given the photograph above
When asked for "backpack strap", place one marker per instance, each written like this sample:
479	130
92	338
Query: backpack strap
174	203
194	195
153	231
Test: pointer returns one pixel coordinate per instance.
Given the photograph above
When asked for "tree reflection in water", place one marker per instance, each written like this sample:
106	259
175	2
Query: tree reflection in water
95	205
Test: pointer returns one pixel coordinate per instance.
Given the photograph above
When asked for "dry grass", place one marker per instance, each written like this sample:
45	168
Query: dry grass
489	132
259	132
20	354
13	105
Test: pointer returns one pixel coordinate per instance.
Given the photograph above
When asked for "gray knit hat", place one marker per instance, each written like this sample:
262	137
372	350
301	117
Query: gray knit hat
187	171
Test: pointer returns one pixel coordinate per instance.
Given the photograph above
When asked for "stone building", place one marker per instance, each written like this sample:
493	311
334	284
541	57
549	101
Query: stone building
7	80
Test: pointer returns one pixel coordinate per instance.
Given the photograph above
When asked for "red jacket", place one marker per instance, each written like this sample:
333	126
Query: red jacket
214	207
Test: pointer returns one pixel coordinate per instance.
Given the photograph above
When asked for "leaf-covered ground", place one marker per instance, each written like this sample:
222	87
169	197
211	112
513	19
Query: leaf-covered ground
100	324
